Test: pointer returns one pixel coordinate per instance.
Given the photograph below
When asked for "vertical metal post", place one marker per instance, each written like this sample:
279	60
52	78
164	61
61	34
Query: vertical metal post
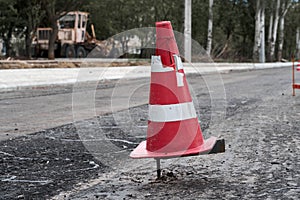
188	30
158	168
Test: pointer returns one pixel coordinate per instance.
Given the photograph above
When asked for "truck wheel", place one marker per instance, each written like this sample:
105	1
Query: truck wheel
70	51
81	52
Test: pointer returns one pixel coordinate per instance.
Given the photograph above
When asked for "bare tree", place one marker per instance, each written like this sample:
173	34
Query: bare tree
281	29
262	56
259	37
274	33
298	42
270	34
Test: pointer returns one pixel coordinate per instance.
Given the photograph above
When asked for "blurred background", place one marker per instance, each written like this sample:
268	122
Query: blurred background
230	30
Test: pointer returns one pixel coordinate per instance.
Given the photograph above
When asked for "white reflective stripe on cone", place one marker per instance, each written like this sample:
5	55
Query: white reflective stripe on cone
172	112
179	77
157	66
178	62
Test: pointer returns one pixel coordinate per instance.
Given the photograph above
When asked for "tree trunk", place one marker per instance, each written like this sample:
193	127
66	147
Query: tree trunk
257	39
28	38
51	48
210	27
280	38
7	42
281	30
28	45
270	36
298	43
262	57
273	41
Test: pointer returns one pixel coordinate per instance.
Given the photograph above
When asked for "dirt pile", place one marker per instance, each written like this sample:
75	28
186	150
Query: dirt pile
29	64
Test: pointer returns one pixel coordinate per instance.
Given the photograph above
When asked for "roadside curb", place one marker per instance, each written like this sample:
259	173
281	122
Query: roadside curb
70	63
17	79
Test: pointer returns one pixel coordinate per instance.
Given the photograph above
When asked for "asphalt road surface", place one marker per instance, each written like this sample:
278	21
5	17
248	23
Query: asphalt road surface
73	142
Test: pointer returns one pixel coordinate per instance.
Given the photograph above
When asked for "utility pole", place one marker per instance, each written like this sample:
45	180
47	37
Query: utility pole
210	27
188	30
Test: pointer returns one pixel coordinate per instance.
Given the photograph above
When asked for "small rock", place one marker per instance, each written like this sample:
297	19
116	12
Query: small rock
189	173
147	195
275	163
292	184
130	195
170	174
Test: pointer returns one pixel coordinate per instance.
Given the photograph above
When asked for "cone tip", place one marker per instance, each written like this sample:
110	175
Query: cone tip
164	24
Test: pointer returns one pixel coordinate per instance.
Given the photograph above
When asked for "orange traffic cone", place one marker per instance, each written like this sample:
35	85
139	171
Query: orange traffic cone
173	128
298	66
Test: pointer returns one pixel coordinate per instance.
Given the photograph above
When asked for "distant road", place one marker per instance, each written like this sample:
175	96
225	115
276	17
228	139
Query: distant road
34	109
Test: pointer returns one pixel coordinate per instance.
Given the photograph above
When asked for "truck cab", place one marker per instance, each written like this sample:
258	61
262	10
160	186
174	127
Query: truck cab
72	39
72	27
